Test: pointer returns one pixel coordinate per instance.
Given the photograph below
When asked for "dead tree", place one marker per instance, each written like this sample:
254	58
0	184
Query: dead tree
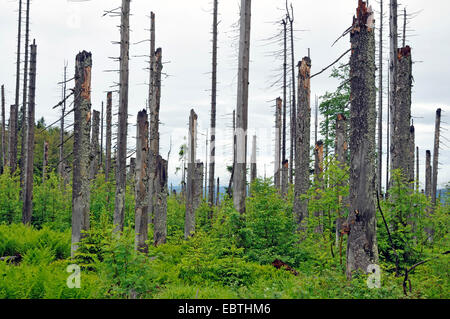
380	102
132	172
277	172
121	161
189	225
108	135
141	200
253	172
284	177
234	155
82	130
100	162
3	131
400	141
388	137
393	61
218	192
160	217
212	161
61	165
341	156
302	140
318	178
417	169
428	174
27	208
290	18
45	162
95	151
198	185
412	147
437	133
362	244
240	177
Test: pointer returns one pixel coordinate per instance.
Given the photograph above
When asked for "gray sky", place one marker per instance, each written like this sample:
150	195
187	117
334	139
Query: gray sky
62	28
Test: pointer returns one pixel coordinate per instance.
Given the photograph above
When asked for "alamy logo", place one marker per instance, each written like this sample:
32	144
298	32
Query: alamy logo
74	280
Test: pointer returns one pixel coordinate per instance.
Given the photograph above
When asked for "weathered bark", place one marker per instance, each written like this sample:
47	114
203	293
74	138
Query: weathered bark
160	220
3	131
362	248
95	151
412	147
82	129
437	133
283	153
212	161
240	173
380	102
61	164
230	183
100	162
253	172
417	169
108	135
121	160
341	156
189	225
277	172
27	208
12	144
393	61
132	172
293	104
388	139
284	178
141	192
428	174
218	192
45	162
198	185
318	178
400	147
302	156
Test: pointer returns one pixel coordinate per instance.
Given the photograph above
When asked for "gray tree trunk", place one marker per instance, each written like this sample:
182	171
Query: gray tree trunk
303	135
160	221
189	225
100	162
27	208
45	162
95	150
277	165
362	248
3	130
141	191
412	147
82	130
284	178
428	174
12	144
341	157
108	135
61	165
240	173
417	169
293	105
198	185
318	178
380	103
437	133
218	192
121	160
253	172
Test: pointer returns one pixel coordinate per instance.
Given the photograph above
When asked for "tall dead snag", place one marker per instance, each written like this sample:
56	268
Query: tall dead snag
362	244
240	174
417	169
81	150
400	142
141	206
302	140
341	156
95	150
132	172
218	192
3	131
12	144
428	174
198	185
380	102
318	178
160	217
284	177
277	167
290	18
412	147
121	160
437	133
100	160
108	135
393	35
189	224
212	150
62	165
27	207
45	162
253	162
154	131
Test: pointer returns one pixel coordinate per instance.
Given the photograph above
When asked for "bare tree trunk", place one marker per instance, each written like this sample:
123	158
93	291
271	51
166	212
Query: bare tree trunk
212	160
253	172
428	174
198	188
437	133
218	192
302	156
160	222
341	156
121	161
240	177
293	105
412	147
45	162
108	135
388	137
27	208
189	225
3	130
380	103
284	178
417	169
82	130
132	172
316	119
277	173
362	248
141	192
61	165
234	155
95	152
283	156
100	162
318	177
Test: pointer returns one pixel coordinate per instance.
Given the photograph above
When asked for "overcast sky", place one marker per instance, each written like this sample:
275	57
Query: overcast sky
62	28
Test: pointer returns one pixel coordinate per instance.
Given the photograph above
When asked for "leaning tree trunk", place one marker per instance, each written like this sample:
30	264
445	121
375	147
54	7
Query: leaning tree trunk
108	135
362	244
437	133
302	140
428	173
121	160
240	173
27	208
160	221
141	207
95	151
82	130
189	225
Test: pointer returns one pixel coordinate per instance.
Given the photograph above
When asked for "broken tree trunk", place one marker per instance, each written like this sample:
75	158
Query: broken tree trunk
277	172
240	173
160	217
27	208
108	135
341	156
212	161
428	174
302	156
3	131
82	129
121	160
141	192
45	162
437	133
400	142
95	151
189	224
100	161
362	248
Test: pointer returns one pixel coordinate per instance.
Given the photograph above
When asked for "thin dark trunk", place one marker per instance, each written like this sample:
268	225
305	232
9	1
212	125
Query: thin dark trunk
380	102
428	174
437	133
189	226
95	151
108	135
